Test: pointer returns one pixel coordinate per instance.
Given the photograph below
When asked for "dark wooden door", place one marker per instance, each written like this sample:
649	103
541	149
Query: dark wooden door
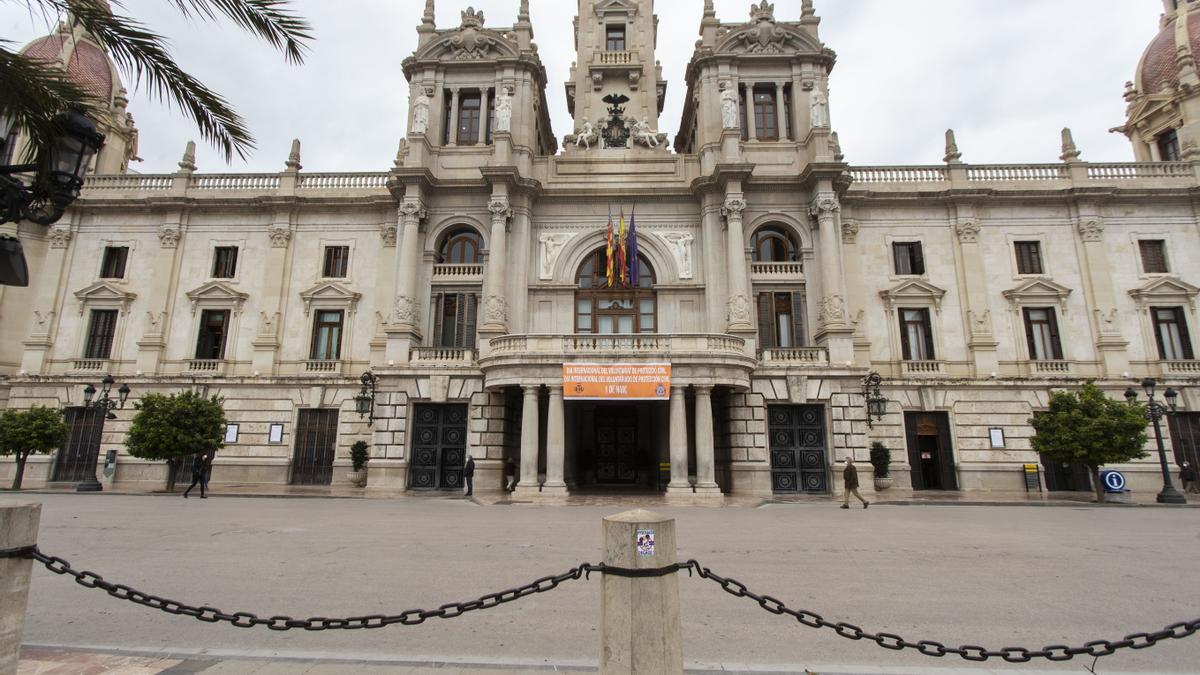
616	445
1185	438
798	452
77	459
439	447
1066	477
316	442
930	453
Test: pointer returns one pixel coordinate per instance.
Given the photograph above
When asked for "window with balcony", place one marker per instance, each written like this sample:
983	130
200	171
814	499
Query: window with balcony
470	109
1171	333
1029	257
1041	333
225	262
766	115
102	327
619	309
337	262
461	247
1154	256
210	343
916	335
327	336
781	320
773	243
1168	146
113	264
614	38
455	319
909	259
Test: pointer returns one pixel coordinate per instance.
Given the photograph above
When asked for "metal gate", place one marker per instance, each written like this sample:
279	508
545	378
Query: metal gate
797	434
439	447
77	459
616	445
316	442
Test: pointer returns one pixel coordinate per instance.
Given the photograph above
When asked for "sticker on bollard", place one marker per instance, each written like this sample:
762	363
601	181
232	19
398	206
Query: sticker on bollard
1114	481
645	542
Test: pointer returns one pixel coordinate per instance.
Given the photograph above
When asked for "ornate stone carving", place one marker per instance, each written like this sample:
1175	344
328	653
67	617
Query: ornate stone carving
388	232
42	323
850	231
504	109
681	247
471	41
168	235
268	324
585	136
981	322
500	209
615	131
825	207
61	236
1109	322
833	310
733	207
495	310
968	231
643	134
412	210
155	323
819	109
765	37
405	310
953	156
280	236
1091	229
730	107
1070	151
552	245
739	310
420	122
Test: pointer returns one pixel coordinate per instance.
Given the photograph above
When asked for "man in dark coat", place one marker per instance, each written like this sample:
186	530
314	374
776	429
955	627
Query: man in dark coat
469	474
199	475
850	477
1187	476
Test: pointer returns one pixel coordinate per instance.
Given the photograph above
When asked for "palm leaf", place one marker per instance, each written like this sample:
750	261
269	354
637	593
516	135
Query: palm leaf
265	18
34	95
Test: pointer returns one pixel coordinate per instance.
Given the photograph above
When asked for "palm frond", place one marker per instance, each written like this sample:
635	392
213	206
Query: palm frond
34	94
268	19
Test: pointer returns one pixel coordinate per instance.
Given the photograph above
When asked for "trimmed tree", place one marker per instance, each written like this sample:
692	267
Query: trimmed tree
25	432
173	427
1092	429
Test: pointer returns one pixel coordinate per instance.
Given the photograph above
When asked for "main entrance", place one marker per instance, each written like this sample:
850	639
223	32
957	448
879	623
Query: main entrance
76	460
439	447
797	434
930	453
316	441
616	456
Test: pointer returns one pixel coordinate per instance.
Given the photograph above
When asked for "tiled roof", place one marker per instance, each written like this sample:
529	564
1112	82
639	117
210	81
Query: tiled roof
1159	70
89	65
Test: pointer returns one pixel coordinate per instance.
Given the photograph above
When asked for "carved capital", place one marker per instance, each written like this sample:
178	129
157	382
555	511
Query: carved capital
168	236
61	236
1091	229
849	231
825	207
412	210
500	209
968	231
733	207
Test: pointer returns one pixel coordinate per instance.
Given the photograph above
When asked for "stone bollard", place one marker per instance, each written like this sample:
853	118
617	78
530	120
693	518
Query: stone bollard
639	617
18	529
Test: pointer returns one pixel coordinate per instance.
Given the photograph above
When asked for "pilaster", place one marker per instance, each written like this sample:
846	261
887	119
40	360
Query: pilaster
834	330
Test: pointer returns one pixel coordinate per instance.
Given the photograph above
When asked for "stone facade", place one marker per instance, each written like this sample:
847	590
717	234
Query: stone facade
782	276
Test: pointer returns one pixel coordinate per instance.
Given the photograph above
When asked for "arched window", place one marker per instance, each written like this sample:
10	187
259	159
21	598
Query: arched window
773	243
622	309
462	246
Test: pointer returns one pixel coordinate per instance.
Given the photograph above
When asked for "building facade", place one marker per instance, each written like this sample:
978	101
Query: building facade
770	276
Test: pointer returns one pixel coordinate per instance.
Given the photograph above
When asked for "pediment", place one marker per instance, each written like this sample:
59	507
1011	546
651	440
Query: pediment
913	290
1165	289
104	293
1151	105
217	293
469	44
768	37
330	294
616	7
1039	291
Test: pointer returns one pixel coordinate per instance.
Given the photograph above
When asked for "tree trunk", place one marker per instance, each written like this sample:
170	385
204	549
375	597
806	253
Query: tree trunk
1097	485
171	465
21	457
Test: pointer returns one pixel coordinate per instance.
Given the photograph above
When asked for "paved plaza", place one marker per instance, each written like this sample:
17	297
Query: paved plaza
992	575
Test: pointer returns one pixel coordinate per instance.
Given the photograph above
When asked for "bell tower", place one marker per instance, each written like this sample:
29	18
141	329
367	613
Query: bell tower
615	42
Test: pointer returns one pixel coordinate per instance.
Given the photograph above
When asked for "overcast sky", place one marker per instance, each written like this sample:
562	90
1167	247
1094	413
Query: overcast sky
1007	76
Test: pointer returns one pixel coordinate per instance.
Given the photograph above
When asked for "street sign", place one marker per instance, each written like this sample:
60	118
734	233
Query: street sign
1113	481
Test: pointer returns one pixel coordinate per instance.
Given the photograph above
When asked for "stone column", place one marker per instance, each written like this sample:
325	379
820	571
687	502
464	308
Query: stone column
706	468
679	443
404	327
780	111
495	306
555	443
485	111
738	310
833	324
18	529
751	121
528	485
453	121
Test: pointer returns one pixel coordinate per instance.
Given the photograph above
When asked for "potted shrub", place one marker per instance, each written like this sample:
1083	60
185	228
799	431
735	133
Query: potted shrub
881	459
359	456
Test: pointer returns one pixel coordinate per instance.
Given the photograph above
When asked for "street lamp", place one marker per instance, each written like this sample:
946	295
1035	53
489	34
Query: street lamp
1154	413
364	403
876	403
106	404
56	183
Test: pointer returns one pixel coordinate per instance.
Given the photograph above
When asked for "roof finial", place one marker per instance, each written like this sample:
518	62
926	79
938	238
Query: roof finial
710	11
807	9
188	163
428	18
523	12
953	156
1070	153
293	160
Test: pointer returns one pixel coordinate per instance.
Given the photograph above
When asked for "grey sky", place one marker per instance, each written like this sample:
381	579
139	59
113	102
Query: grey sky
1007	76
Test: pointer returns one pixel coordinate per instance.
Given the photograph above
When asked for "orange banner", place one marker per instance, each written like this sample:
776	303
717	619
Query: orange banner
628	382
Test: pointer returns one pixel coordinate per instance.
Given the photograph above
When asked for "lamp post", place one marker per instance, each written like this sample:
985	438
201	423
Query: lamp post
106	404
364	403
1154	413
876	403
58	177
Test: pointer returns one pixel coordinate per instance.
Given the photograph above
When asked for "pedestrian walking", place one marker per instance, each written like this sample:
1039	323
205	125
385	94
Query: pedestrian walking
850	478
469	474
1188	477
510	474
199	475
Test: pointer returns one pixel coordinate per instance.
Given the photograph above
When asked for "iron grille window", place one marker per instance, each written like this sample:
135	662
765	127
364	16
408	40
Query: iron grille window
916	335
113	266
214	325
1171	333
781	320
337	261
615	35
1154	256
766	119
1168	147
1029	257
327	336
1041	331
101	329
454	323
910	261
470	106
225	262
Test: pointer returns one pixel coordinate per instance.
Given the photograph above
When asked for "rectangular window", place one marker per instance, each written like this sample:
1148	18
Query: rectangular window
337	262
225	262
910	261
1029	257
766	119
916	335
745	120
113	266
491	117
470	106
454	323
327	336
1154	256
1041	331
1168	147
101	329
214	325
615	38
781	320
1171	333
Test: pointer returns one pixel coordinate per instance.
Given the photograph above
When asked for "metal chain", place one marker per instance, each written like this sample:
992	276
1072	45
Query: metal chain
1096	648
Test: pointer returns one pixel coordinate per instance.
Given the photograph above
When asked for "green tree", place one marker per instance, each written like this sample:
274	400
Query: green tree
25	432
33	94
173	427
1092	429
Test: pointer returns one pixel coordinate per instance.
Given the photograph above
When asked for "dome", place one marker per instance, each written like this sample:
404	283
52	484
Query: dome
1159	70
89	66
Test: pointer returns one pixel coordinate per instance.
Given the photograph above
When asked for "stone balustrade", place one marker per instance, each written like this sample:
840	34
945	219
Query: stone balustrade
637	345
328	366
146	183
90	365
616	58
899	174
443	356
206	366
1134	171
923	367
1051	367
235	181
1007	173
1182	367
784	271
458	272
342	181
795	356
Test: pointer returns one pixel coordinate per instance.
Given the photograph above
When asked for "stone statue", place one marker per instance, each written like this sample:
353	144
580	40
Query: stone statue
642	133
730	108
420	121
819	111
587	135
504	109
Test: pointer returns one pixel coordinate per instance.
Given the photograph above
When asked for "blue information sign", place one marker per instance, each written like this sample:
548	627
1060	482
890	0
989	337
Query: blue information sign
1114	481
